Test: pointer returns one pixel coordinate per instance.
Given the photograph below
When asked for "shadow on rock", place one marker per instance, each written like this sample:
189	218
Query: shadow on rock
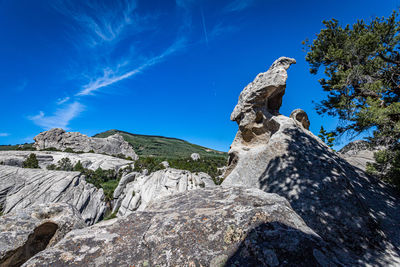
356	214
276	244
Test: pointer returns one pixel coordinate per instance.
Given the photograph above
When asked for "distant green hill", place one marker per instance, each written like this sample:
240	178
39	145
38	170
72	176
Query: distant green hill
164	147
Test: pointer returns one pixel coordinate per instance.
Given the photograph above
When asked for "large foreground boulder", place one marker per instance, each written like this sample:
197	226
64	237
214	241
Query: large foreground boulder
59	139
89	161
204	227
357	215
135	191
22	188
23	233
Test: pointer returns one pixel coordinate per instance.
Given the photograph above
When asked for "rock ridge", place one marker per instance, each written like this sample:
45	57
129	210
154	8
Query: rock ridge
59	139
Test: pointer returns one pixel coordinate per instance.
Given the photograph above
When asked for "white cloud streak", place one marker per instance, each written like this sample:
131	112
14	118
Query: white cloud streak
238	5
62	100
60	119
110	77
4	134
101	23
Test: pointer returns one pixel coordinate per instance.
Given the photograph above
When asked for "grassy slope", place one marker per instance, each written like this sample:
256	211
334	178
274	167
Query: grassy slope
165	147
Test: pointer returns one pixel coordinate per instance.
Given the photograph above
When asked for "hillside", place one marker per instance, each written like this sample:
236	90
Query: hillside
165	147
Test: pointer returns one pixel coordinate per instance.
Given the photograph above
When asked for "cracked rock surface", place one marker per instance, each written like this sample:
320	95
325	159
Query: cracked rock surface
24	233
357	215
59	139
21	188
90	161
204	227
136	191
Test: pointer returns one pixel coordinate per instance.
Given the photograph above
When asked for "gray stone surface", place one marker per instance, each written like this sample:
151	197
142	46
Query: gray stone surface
136	191
59	139
21	188
301	117
195	156
204	227
358	153
90	161
357	215
23	233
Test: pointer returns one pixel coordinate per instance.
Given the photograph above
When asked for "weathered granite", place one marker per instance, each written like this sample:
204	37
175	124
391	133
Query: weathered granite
204	227
135	191
59	139
90	161
358	153
21	188
23	233
357	215
195	156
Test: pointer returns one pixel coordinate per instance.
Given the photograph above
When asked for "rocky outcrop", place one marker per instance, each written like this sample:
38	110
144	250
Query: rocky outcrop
22	188
357	215
135	191
59	139
358	153
195	156
300	117
23	233
204	227
89	161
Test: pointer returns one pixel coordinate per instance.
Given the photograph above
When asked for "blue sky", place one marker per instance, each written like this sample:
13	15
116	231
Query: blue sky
172	68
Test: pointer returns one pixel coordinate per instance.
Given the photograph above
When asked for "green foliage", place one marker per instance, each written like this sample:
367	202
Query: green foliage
69	150
111	216
162	147
208	165
151	164
78	167
327	137
31	162
23	147
109	187
387	166
361	64
362	75
65	164
51	167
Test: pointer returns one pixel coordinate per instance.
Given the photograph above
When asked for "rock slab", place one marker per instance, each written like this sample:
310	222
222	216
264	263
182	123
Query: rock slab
21	188
357	215
89	161
59	139
204	227
136	191
24	233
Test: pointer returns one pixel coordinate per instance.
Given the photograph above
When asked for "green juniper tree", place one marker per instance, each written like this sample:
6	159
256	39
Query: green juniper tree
327	137
31	162
361	64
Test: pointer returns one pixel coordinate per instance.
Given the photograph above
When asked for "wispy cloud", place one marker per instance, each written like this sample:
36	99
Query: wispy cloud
238	5
60	119
62	100
110	76
204	25
100	23
4	134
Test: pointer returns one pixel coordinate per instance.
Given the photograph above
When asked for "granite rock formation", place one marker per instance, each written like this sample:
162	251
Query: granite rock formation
136	191
21	188
358	153
59	139
204	227
23	233
357	215
89	161
195	156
